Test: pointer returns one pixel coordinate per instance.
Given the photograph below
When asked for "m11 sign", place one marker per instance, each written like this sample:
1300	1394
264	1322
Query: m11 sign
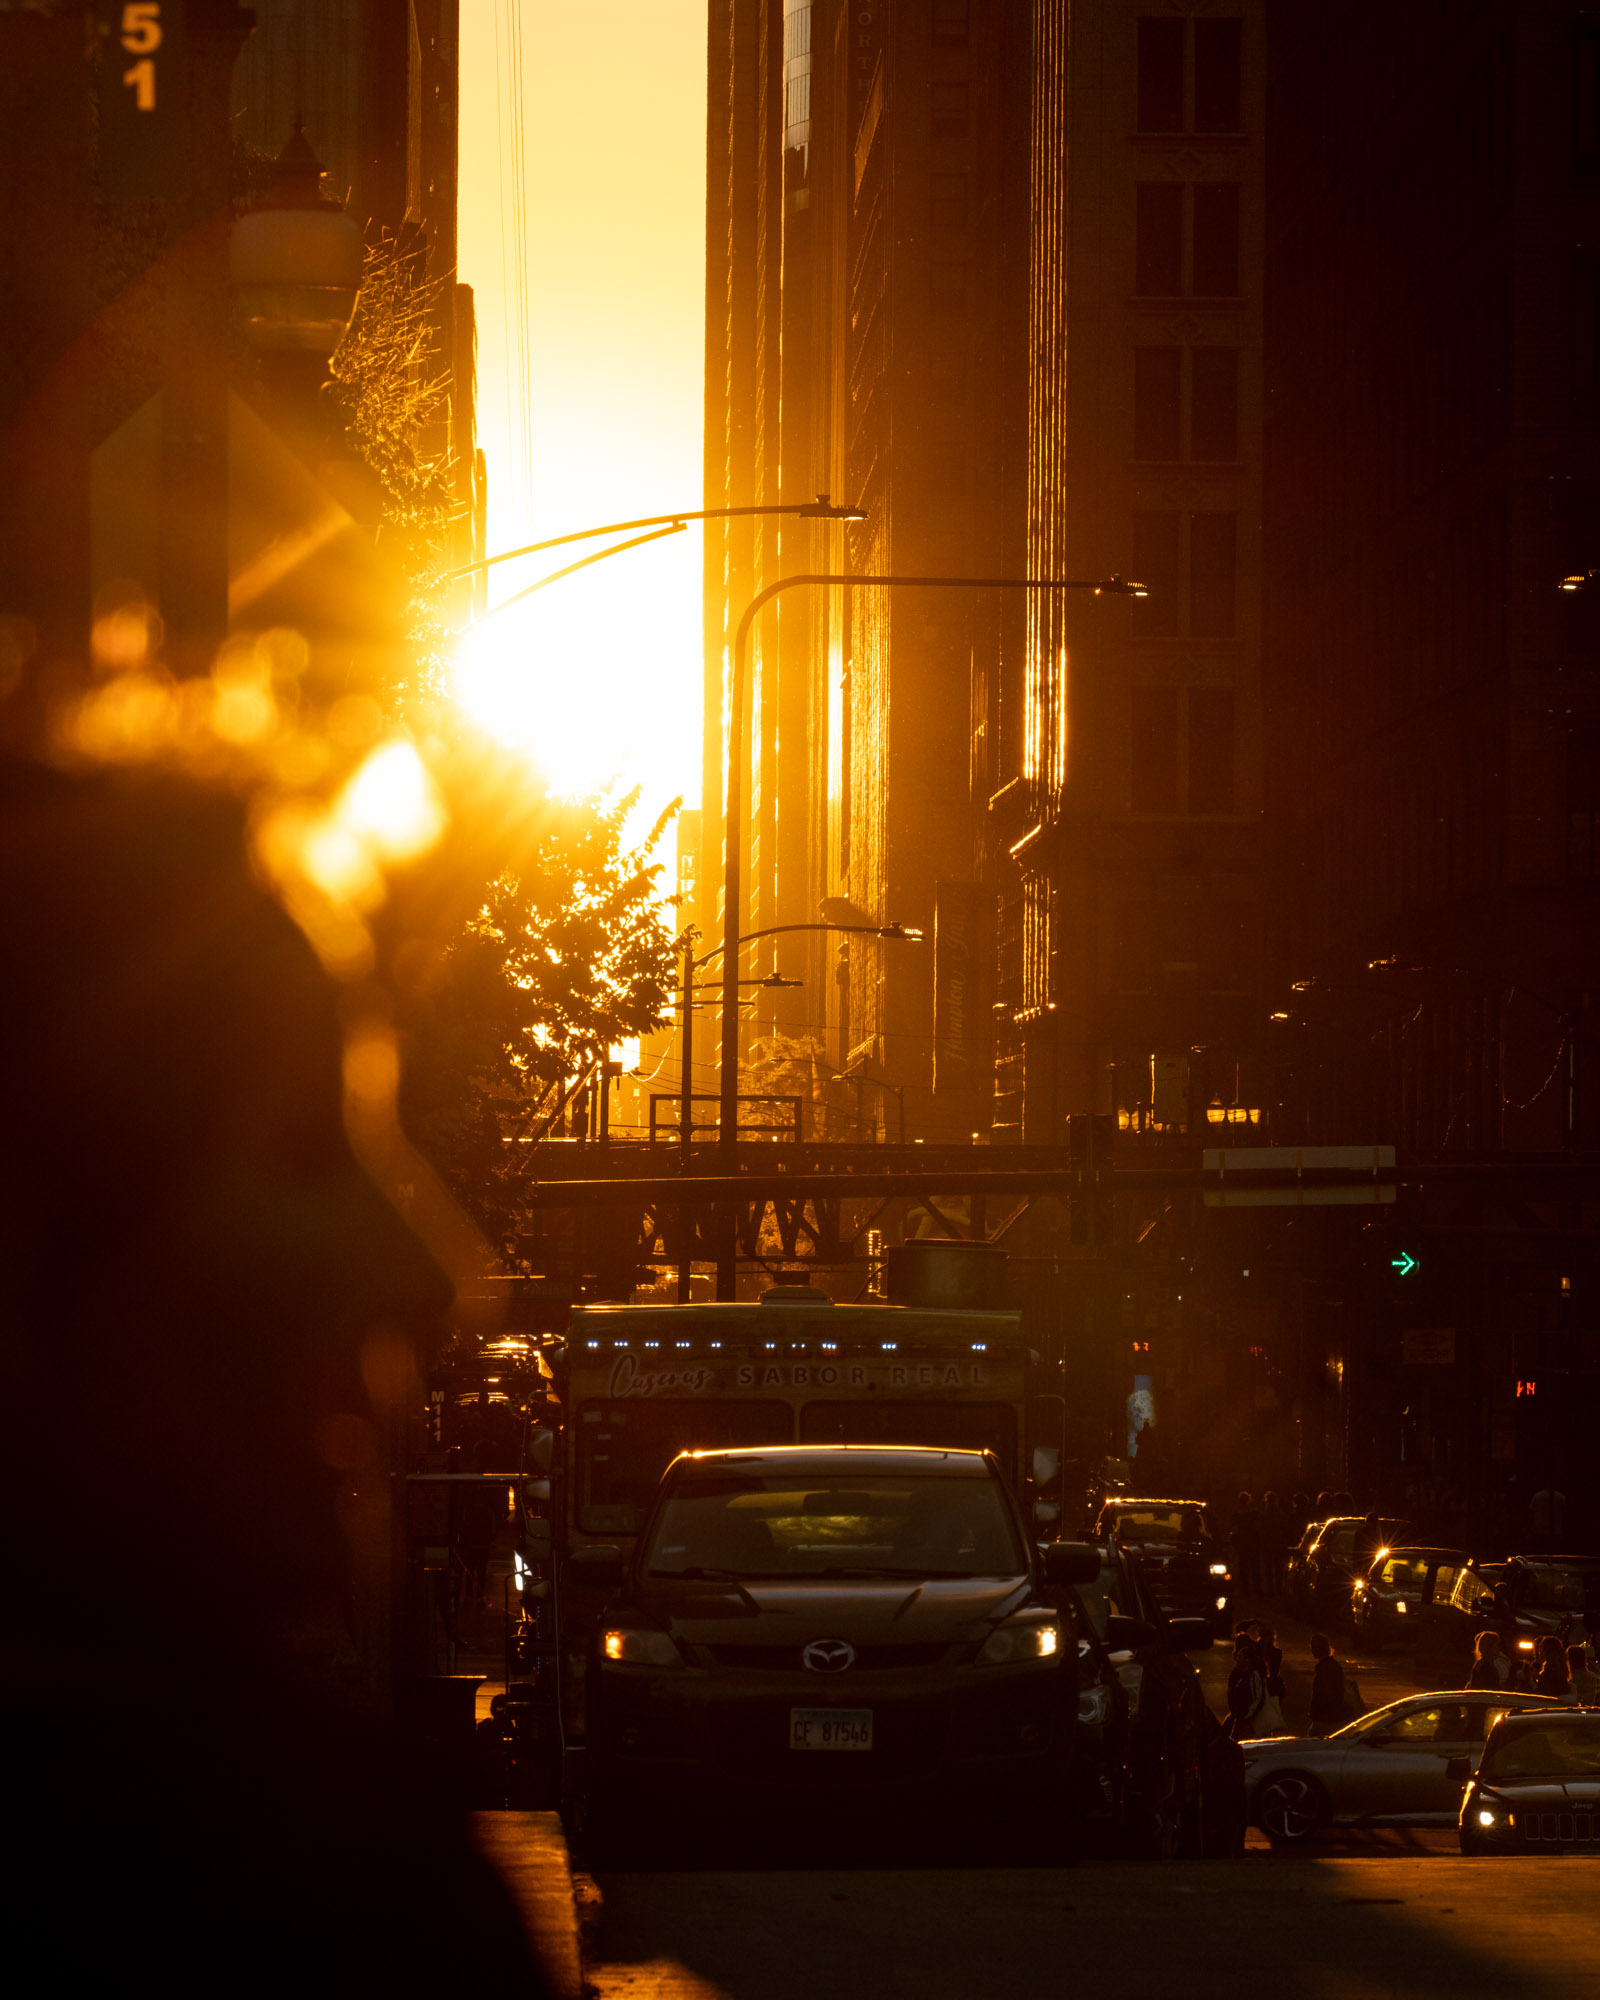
1296	1176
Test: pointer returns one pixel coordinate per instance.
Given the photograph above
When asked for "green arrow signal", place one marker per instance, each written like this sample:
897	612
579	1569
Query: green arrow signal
1405	1263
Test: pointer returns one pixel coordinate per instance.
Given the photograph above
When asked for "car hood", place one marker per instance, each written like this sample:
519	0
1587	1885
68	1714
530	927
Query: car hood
1256	1747
942	1610
1547	1793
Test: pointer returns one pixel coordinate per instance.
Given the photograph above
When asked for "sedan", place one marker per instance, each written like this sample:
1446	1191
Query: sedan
816	1628
1330	1557
1188	1572
1403	1765
1537	1790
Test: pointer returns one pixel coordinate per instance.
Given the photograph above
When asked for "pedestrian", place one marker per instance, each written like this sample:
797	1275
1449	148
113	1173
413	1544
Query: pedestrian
1324	1505
1271	1721
1247	1689
1299	1517
1491	1668
1583	1684
1328	1699
1244	1533
1553	1678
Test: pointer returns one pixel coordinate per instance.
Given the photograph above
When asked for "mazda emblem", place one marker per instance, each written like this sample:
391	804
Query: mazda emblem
829	1656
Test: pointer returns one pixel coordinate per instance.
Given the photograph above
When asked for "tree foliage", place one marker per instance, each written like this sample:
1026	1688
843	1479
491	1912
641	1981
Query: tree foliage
566	958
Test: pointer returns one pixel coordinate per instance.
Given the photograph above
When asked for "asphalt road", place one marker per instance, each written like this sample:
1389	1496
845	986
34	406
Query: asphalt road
1355	1917
1343	1928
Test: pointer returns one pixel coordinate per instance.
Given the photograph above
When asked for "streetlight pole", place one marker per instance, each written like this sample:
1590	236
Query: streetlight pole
727	1121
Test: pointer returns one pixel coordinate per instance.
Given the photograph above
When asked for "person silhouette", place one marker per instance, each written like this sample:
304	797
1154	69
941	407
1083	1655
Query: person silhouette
195	1281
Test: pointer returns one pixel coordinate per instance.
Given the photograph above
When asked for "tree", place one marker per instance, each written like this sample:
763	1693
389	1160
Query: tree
566	957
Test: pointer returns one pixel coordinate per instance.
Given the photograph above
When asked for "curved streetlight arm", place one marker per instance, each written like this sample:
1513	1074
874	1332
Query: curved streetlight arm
728	1106
820	509
891	933
583	562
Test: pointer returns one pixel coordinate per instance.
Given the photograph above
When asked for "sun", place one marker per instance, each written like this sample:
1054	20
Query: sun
588	679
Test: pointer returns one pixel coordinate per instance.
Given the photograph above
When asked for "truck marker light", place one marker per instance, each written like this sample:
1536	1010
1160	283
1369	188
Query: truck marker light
891	1347
684	1343
980	1347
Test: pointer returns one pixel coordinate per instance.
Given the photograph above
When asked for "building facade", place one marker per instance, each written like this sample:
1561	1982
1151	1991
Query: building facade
865	271
1433	705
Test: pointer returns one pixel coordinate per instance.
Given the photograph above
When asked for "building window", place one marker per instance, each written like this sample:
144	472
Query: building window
950	20
1583	802
947	286
1155	565
1155	750
1183	750
1586	339
949	201
1214	402
1213	541
1218	99
949	110
1216	239
1161	76
1158	240
1038	944
1210	750
1586	104
1157	395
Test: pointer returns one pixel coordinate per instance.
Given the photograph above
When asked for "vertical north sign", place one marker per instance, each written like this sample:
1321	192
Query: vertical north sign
143	90
958	1048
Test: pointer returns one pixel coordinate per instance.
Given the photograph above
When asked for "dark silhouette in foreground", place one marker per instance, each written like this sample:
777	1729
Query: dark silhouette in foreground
192	1265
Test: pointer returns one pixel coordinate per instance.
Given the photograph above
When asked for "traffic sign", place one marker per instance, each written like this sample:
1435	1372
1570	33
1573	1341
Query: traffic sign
1296	1176
1405	1263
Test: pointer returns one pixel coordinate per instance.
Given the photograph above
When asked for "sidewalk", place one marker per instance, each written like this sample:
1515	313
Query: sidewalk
530	1852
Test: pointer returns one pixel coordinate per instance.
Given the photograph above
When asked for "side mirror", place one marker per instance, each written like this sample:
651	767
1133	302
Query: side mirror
1458	1769
1190	1635
597	1568
1128	1635
1484	1607
541	1451
536	1539
1071	1563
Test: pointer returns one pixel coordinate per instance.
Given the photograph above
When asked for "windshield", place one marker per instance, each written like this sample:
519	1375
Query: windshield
1565	1750
788	1525
625	1446
1563	1589
1159	1524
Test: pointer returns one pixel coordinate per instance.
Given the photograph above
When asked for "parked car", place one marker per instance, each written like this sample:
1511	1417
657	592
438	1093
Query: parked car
1186	1568
1323	1569
1523	1600
824	1628
1166	1748
1399	1766
1389	1605
1537	1788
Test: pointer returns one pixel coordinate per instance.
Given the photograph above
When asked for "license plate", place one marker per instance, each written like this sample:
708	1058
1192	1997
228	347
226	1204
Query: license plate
830	1729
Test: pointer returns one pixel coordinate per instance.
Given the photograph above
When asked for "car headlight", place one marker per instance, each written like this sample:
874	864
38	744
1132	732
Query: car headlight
639	1649
1524	1645
1487	1816
1219	1569
1009	1643
1399	1604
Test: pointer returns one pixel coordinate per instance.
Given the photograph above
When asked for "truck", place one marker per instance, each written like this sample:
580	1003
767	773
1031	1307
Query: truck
942	1361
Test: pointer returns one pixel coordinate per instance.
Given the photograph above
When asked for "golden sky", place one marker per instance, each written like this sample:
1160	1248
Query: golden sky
604	269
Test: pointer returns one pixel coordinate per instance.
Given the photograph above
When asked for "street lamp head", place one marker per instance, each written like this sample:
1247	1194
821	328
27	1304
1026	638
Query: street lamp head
824	508
1581	580
1121	586
901	933
1383	964
774	979
295	259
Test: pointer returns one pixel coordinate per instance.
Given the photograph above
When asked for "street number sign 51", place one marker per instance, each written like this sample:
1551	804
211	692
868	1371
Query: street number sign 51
143	59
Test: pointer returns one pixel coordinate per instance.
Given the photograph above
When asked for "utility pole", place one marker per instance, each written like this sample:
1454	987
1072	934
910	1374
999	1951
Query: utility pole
686	1117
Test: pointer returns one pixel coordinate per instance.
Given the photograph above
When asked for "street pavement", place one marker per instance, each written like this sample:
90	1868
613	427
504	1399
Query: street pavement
1354	1917
1342	1928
